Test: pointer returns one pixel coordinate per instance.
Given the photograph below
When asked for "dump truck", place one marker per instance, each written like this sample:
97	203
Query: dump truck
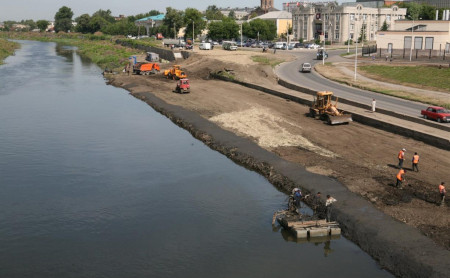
175	73
323	108
145	68
183	86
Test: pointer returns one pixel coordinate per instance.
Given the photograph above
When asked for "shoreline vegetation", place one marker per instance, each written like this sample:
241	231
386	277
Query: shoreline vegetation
7	48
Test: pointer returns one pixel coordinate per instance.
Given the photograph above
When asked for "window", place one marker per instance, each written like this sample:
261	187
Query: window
429	43
389	47
388	17
338	17
327	17
352	26
418	42
336	36
364	16
352	17
407	43
447	47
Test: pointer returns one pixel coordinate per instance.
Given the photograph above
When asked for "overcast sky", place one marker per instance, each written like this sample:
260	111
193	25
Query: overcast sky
46	9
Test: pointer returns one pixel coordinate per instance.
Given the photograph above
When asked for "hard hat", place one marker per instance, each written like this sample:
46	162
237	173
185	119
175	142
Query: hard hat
404	150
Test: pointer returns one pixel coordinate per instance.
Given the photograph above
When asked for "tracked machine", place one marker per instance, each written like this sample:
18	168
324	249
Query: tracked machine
323	108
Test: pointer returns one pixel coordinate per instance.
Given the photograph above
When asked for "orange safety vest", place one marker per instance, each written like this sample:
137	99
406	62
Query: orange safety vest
416	159
399	175
401	155
441	189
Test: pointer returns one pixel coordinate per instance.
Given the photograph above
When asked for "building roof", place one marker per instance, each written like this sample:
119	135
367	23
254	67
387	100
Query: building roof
154	18
275	15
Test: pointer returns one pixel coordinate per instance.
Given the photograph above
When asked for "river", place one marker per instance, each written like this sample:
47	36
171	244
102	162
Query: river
95	183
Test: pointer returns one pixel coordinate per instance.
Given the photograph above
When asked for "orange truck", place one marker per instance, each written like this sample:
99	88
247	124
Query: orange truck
144	68
175	73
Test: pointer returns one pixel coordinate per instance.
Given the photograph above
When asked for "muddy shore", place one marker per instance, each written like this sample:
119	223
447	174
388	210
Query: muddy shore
263	133
397	247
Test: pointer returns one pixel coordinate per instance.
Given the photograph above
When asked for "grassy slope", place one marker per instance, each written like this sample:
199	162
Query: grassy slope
420	75
7	48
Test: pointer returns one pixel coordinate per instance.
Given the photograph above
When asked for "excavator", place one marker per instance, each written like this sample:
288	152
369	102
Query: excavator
175	73
323	108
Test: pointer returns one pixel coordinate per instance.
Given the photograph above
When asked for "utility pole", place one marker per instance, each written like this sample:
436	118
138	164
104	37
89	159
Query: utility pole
356	56
241	34
193	34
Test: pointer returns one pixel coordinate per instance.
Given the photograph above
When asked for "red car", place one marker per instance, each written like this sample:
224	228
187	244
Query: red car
437	113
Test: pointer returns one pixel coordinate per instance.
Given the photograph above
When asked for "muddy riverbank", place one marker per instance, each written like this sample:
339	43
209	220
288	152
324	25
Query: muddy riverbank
273	137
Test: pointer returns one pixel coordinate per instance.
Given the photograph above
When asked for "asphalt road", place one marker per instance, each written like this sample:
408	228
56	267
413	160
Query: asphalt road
290	72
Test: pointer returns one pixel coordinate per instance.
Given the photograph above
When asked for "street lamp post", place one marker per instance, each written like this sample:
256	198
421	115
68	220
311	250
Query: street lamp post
348	38
193	34
356	56
412	40
241	34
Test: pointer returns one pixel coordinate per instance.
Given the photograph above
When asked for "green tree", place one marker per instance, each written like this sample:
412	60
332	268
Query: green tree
225	29
213	13
97	23
42	25
106	15
83	24
173	20
63	19
194	16
232	14
266	29
385	27
121	27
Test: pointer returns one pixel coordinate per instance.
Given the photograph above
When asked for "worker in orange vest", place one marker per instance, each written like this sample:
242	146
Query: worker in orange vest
401	157
442	192
400	178
415	162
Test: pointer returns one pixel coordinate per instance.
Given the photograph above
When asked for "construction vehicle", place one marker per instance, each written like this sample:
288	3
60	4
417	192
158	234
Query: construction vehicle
183	86
323	108
145	68
175	73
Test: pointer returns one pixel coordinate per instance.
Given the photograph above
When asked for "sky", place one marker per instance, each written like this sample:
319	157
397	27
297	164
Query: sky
46	9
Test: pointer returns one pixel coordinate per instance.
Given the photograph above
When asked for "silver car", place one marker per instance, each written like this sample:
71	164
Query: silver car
306	67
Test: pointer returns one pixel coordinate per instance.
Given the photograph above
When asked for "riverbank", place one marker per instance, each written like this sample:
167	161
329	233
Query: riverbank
7	48
281	128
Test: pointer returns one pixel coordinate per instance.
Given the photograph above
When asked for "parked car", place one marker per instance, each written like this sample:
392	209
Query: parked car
306	67
437	113
313	46
299	45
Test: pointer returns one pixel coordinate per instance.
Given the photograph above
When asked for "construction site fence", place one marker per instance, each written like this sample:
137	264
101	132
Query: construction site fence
408	54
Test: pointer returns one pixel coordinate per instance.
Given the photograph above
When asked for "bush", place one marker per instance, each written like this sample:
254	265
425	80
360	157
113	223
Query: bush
351	42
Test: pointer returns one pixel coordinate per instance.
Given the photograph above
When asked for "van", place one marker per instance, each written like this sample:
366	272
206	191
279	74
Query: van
279	45
229	46
152	57
205	46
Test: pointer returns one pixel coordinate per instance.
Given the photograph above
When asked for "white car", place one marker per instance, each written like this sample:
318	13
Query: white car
313	46
306	67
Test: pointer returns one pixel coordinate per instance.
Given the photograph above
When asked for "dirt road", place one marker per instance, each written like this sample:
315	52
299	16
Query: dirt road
362	158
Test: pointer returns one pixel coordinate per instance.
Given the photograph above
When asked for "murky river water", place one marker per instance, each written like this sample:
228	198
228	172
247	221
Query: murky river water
94	183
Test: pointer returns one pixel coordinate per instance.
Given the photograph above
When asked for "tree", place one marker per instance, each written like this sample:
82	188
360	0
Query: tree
213	13
225	29
30	23
63	19
42	25
174	21
121	27
83	24
266	29
192	15
385	27
106	15
97	23
232	14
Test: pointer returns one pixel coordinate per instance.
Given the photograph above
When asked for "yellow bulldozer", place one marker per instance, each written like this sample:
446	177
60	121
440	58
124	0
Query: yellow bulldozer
175	73
323	108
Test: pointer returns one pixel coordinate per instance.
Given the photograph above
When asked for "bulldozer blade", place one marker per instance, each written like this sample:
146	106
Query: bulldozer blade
344	119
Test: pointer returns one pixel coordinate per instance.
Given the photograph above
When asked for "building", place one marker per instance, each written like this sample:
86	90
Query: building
431	35
267	5
150	22
339	23
239	14
282	19
291	6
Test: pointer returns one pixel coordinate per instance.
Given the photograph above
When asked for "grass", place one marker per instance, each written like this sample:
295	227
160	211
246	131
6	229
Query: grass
326	70
417	75
346	54
7	48
273	62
